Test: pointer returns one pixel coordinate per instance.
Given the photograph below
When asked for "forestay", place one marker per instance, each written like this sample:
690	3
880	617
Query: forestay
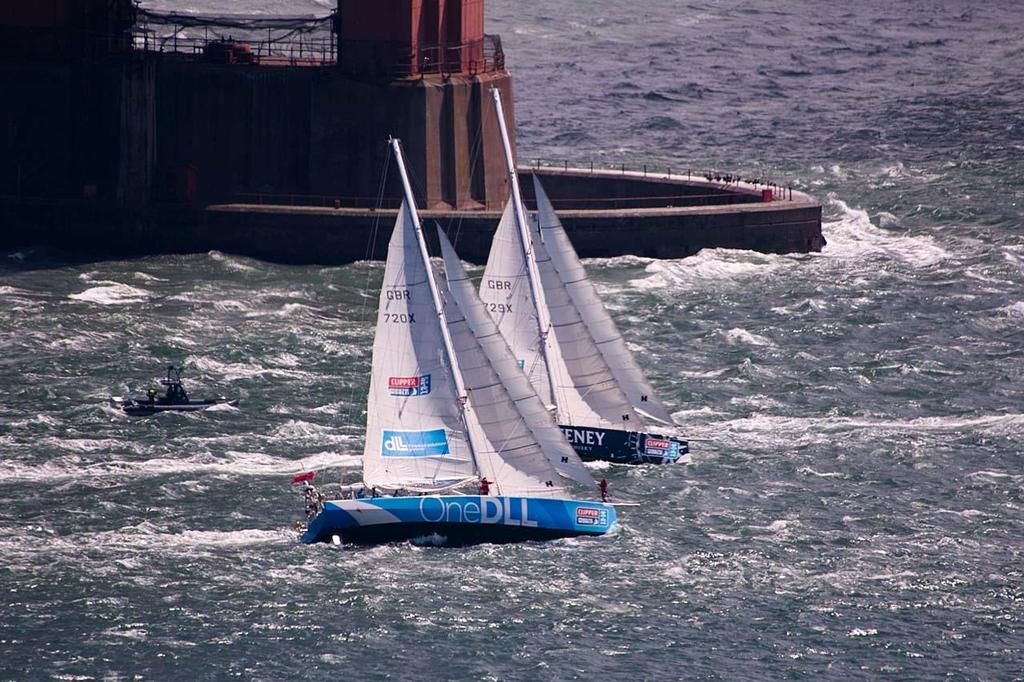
599	324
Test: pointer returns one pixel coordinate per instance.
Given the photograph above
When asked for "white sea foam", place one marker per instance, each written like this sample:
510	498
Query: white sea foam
112	293
231	262
233	371
805	306
232	306
1014	310
737	336
234	464
862	632
616	261
854	237
770	430
710	265
807	471
144	536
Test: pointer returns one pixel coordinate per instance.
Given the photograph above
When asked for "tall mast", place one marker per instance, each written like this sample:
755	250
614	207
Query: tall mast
540	304
449	347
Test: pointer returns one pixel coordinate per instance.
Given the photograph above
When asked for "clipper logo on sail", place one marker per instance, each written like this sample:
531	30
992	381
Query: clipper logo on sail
414	443
409	386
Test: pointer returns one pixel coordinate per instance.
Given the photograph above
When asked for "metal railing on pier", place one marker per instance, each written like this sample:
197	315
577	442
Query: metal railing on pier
303	40
237	39
731	181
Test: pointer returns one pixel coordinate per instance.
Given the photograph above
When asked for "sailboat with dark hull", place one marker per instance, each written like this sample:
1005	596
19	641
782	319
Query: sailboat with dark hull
448	408
538	294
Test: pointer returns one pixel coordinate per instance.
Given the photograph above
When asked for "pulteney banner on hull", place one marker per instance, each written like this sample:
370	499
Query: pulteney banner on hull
623	447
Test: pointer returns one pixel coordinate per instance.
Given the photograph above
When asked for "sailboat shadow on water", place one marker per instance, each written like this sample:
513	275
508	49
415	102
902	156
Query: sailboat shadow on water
448	408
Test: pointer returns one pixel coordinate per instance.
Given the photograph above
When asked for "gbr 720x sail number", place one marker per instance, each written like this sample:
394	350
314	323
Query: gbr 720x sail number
398	318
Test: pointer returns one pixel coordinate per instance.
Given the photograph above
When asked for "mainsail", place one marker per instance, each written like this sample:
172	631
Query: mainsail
599	324
584	390
561	346
439	412
531	418
415	436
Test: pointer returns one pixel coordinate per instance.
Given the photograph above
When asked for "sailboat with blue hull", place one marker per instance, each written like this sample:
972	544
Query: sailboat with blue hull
459	519
540	297
449	408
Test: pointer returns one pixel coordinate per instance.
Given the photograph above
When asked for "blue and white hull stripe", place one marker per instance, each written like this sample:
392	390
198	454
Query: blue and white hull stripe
472	518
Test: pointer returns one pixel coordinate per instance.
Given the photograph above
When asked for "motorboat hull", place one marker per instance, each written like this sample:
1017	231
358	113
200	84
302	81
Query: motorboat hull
624	447
143	408
457	519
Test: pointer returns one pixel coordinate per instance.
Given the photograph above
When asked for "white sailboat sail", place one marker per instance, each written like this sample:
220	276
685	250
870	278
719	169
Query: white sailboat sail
591	378
506	452
450	417
531	418
519	277
599	324
564	376
507	296
415	436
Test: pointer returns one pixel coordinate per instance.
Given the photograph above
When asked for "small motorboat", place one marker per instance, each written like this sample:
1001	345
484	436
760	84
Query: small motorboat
175	399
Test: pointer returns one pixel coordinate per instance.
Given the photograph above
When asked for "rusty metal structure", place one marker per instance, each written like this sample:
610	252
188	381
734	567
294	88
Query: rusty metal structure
132	130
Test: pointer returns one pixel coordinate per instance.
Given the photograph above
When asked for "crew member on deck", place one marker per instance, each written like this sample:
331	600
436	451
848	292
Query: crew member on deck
603	485
485	486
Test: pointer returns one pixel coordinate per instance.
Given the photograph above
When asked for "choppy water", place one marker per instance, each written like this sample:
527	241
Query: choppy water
855	505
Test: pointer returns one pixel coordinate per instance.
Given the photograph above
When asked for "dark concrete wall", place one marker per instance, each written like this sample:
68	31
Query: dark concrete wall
316	235
93	157
59	130
313	131
136	129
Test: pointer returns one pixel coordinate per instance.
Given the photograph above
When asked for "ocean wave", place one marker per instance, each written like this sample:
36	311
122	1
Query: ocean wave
144	536
112	293
74	468
236	371
855	238
737	336
767	430
802	307
729	266
235	263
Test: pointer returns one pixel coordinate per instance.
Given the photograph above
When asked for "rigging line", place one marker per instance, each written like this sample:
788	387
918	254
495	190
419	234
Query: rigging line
475	155
370	251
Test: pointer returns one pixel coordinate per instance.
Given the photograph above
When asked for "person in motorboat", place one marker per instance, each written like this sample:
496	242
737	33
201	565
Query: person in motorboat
176	398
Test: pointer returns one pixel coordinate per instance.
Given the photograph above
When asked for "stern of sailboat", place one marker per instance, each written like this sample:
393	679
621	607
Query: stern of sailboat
624	447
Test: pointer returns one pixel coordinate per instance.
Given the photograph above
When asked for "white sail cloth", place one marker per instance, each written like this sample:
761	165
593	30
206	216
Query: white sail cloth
530	423
415	436
599	324
420	433
586	388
